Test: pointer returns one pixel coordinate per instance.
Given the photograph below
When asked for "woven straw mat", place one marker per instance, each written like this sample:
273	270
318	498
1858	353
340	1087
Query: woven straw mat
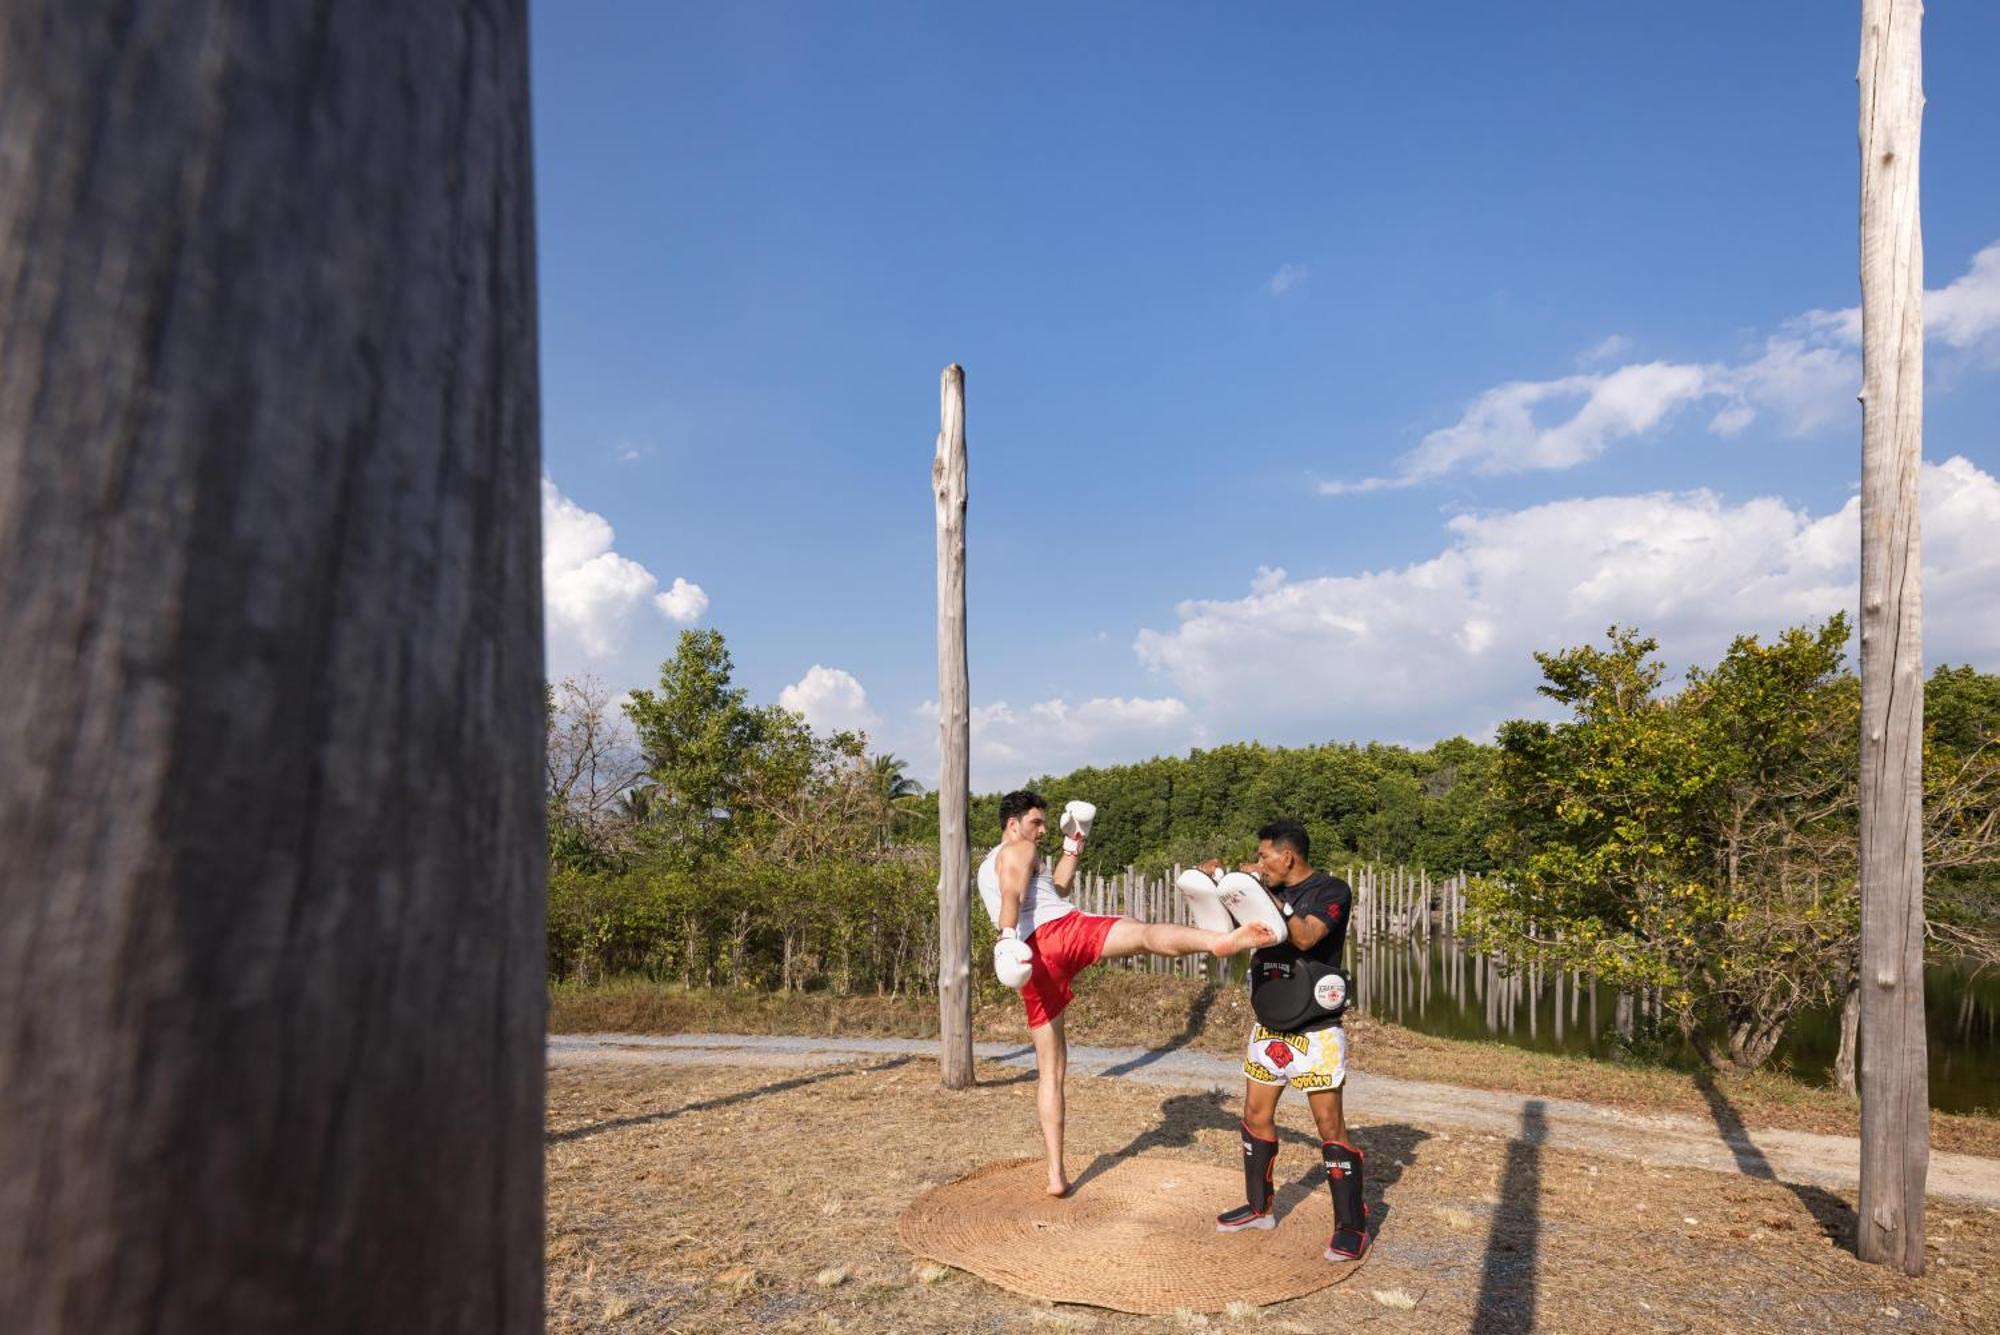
1139	1237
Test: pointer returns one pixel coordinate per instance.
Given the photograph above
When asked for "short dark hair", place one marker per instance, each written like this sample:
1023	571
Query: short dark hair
1288	834
1020	803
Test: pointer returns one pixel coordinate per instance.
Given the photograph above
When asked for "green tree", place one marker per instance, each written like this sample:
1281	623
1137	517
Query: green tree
1962	811
698	738
1700	843
1962	709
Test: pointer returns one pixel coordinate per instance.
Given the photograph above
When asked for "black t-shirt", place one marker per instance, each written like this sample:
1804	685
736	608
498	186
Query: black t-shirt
1321	896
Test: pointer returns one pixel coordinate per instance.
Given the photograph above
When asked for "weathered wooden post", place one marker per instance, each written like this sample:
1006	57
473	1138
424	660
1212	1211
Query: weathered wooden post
1895	1077
271	822
954	741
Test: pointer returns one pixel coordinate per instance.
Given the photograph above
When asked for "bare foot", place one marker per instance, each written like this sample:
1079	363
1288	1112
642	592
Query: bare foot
1250	936
1059	1187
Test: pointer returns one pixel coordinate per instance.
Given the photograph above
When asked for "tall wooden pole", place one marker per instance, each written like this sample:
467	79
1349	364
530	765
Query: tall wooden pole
1895	1083
954	741
271	826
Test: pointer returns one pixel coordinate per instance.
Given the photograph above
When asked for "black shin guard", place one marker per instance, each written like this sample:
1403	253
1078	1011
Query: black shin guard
1350	1208
1260	1161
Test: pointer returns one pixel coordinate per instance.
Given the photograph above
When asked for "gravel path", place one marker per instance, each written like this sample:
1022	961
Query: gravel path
1720	1144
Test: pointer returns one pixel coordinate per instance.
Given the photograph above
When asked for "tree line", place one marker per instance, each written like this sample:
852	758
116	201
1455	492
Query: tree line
1704	842
1699	840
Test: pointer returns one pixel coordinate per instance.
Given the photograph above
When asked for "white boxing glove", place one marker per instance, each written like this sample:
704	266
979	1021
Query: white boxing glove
1075	826
1012	960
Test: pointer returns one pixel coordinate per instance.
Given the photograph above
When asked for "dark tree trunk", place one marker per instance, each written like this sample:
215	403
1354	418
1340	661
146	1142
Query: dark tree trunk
1752	1041
1850	1028
1703	1049
271	827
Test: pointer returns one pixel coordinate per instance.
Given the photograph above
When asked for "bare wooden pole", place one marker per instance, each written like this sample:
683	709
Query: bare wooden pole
1895	1077
271	820
954	741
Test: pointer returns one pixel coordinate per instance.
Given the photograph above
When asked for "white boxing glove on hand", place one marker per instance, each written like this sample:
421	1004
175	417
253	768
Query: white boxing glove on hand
1013	962
1075	826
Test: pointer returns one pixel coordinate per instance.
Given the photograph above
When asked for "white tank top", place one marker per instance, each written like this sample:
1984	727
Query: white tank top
1039	905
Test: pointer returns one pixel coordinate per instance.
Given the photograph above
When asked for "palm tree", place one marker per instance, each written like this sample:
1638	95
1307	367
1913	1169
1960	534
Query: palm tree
895	789
890	780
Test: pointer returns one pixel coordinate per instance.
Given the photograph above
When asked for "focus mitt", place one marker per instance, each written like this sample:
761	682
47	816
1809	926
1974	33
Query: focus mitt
1204	901
1249	902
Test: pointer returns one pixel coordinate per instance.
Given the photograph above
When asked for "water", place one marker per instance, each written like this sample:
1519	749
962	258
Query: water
1437	988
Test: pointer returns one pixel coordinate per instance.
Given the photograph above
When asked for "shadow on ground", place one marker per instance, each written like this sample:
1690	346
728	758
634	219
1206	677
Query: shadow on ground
1390	1147
727	1100
1197	1020
1836	1218
1507	1283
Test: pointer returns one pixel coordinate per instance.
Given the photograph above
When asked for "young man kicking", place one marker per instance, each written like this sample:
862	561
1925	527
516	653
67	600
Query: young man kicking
1297	1039
1045	942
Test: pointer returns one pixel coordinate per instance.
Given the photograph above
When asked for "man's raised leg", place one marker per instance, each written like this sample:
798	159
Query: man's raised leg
1129	936
1051	1069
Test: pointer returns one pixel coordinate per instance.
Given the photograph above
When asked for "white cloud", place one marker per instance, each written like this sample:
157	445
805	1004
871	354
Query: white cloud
831	701
1959	314
1444	645
1840	326
1967	309
1612	348
1507	429
683	602
1012	745
1801	380
589	591
1804	378
1288	277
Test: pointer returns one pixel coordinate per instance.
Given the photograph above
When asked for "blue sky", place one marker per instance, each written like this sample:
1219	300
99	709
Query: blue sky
1323	361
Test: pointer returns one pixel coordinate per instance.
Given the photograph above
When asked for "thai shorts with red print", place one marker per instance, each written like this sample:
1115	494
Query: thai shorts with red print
1312	1062
1058	952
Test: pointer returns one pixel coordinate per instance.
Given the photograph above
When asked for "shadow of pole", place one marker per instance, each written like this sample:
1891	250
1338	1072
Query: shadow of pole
1834	1215
1197	1018
1507	1282
727	1100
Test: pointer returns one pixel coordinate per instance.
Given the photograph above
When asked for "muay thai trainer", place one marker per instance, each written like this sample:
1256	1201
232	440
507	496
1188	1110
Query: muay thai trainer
1298	994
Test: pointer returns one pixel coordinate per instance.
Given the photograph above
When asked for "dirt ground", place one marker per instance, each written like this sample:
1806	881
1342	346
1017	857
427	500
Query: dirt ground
1119	1008
757	1196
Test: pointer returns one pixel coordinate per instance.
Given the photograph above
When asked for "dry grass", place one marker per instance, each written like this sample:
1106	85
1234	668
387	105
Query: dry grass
703	1198
1122	1009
